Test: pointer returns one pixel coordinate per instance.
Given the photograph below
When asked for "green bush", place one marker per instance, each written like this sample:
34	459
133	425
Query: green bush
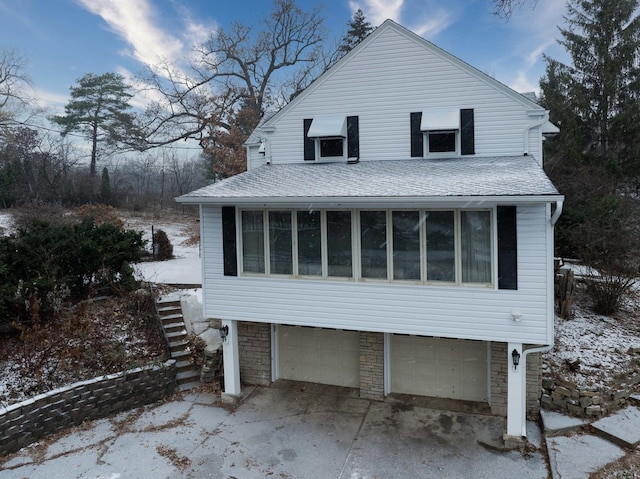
46	263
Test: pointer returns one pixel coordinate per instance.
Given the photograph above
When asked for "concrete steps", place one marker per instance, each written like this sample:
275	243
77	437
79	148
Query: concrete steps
172	320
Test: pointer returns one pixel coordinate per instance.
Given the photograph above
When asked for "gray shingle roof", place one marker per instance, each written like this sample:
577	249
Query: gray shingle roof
409	179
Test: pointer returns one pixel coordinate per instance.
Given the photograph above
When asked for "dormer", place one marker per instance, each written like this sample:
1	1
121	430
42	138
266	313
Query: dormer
331	138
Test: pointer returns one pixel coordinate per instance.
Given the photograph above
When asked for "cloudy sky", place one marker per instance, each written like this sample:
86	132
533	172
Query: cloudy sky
65	39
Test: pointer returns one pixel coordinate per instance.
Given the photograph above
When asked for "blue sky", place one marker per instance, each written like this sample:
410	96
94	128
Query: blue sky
65	39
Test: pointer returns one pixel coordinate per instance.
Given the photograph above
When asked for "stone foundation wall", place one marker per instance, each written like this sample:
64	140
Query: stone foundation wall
25	422
563	395
254	344
372	365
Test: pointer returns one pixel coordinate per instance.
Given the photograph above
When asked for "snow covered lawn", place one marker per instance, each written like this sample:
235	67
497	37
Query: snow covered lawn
593	350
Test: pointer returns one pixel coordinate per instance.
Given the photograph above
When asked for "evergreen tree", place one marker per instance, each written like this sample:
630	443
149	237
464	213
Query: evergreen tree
99	109
359	29
595	98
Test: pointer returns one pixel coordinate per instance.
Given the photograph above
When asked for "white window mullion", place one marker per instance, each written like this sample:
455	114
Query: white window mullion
267	248
294	243
324	250
389	246
423	245
458	247
355	245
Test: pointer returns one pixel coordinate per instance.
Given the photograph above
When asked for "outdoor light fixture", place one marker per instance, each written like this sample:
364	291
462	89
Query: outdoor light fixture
224	332
515	357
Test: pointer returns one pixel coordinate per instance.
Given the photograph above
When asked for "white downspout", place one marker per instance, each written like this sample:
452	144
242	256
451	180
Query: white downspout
539	349
527	130
525	353
557	212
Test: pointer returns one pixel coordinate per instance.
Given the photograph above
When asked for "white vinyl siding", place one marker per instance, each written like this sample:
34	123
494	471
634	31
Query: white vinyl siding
413	77
451	312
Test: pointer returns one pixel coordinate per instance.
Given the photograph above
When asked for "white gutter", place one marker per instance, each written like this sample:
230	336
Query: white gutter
370	201
557	212
537	123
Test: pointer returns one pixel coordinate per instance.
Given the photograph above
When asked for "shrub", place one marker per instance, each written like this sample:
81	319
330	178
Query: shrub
162	248
46	263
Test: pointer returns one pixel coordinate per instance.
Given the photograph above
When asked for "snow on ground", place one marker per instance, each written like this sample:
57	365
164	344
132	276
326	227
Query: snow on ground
185	268
601	344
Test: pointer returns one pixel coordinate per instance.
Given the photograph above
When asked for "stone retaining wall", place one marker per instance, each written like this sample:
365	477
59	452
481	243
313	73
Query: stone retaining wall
563	395
25	422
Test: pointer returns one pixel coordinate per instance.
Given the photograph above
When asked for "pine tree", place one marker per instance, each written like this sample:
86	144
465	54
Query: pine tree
601	87
99	108
359	29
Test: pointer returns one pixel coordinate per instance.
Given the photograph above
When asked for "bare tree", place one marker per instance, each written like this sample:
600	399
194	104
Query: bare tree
504	8
235	69
13	85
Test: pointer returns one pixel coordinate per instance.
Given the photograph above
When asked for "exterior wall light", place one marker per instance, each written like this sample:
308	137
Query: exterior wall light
515	358
224	332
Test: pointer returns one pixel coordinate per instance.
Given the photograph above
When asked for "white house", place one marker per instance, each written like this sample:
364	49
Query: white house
393	233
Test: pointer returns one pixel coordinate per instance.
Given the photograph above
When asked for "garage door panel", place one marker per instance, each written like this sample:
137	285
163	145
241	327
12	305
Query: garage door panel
324	356
439	367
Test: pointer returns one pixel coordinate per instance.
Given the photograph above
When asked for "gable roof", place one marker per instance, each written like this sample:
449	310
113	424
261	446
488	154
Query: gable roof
388	24
502	179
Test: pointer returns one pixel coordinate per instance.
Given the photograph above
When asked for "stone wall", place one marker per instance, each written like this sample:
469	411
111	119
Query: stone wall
254	344
563	395
372	365
25	422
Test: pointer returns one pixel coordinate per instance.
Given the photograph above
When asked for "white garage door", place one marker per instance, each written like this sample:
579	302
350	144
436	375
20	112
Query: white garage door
325	356
446	368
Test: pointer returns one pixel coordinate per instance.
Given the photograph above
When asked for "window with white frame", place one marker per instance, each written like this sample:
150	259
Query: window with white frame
428	246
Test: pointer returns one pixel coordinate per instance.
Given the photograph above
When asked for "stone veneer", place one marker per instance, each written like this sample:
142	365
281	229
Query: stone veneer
254	345
27	421
372	365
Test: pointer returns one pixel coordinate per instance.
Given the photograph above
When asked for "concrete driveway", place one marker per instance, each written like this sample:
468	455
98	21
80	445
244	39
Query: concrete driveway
288	430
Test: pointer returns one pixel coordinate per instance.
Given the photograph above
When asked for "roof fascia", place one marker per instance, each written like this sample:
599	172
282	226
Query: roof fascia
372	202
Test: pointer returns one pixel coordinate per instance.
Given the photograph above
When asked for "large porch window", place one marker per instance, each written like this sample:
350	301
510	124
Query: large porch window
421	246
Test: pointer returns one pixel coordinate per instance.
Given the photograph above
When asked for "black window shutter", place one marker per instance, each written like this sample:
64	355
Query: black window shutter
417	139
309	143
507	248
467	140
229	250
353	137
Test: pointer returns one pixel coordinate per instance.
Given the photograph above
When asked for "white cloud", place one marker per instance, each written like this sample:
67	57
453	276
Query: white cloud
432	21
134	23
377	11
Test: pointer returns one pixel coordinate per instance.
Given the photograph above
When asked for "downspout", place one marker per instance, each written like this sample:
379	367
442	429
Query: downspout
525	353
557	212
537	123
539	349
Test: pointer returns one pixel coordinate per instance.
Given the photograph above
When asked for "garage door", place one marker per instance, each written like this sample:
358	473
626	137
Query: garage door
325	356
446	368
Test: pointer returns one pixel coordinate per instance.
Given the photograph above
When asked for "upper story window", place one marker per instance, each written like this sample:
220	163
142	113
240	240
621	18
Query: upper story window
452	247
442	132
331	137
